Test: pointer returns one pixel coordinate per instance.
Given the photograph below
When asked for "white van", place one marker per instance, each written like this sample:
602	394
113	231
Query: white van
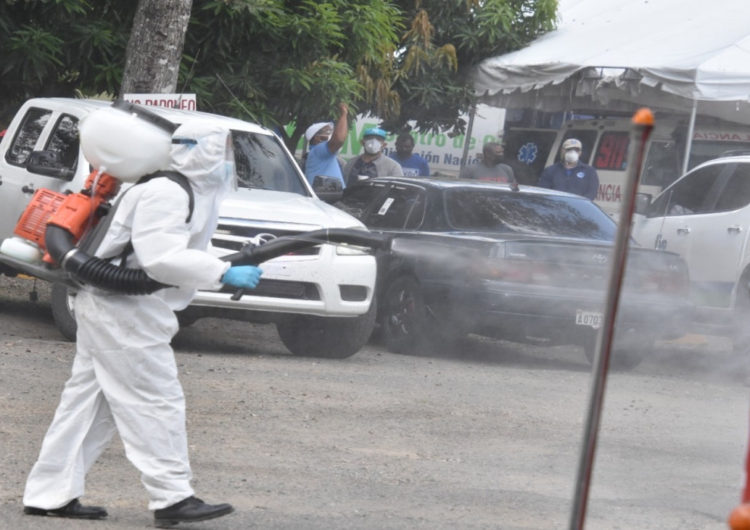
605	147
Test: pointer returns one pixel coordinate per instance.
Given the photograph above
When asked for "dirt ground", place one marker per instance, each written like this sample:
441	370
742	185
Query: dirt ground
486	438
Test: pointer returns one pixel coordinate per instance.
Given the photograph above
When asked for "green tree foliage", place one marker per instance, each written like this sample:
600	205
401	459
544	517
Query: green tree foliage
281	62
445	41
278	61
52	47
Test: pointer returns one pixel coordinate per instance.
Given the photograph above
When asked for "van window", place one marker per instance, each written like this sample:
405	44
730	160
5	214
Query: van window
693	194
587	138
612	151
662	165
736	194
529	149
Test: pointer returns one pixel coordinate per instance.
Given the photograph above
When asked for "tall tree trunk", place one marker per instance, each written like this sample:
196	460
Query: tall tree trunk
152	61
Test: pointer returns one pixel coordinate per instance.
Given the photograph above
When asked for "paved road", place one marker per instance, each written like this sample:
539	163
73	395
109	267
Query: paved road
484	439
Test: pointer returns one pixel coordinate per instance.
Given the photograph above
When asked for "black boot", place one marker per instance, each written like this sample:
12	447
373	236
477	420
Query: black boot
72	510
189	510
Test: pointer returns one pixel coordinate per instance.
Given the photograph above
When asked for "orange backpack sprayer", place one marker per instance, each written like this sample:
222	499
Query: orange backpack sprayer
122	142
75	212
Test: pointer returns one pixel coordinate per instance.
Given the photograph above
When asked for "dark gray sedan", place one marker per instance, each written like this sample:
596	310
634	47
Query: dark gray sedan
523	264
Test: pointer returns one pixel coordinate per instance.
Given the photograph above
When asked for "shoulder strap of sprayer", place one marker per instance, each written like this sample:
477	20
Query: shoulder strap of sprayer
92	240
178	178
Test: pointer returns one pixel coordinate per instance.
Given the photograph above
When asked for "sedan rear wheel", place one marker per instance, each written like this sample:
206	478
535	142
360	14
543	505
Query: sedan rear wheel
403	315
626	354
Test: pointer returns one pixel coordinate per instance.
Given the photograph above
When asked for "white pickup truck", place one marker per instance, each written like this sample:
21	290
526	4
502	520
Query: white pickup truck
320	298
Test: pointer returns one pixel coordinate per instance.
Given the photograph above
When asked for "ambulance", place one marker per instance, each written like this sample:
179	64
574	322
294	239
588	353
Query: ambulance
605	147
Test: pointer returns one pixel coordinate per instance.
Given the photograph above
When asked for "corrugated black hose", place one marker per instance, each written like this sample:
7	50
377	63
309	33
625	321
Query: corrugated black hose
102	274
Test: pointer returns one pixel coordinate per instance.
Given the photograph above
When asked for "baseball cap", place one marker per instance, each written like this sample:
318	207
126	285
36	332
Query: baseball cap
572	143
375	131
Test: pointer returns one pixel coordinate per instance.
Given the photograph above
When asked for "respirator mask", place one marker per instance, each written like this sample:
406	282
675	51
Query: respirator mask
571	156
373	146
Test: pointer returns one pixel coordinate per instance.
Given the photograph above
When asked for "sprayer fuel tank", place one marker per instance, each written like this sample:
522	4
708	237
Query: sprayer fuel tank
126	140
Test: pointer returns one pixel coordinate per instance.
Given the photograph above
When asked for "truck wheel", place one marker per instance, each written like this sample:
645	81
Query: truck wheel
61	302
403	316
327	337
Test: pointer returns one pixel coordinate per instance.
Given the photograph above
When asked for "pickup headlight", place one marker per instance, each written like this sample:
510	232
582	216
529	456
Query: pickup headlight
349	250
343	249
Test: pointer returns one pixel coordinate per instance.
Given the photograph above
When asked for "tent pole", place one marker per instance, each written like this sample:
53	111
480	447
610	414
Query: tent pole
467	138
689	139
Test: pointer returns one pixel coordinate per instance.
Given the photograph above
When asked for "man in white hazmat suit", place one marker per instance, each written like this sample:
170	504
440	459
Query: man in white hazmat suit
124	374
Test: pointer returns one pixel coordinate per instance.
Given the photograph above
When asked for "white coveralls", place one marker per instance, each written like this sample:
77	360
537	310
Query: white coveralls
124	374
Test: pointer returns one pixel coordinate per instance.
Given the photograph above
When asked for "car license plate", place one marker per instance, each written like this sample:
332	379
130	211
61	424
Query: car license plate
588	318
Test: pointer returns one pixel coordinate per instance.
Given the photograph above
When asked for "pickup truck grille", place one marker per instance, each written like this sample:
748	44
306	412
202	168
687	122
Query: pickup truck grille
233	237
280	289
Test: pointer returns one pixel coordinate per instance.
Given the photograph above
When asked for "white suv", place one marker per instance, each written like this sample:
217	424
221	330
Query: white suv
319	297
705	217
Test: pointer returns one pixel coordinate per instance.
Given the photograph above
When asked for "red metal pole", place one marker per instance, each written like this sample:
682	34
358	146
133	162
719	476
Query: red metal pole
642	125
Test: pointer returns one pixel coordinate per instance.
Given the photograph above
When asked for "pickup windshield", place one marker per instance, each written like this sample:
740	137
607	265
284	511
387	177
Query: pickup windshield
262	163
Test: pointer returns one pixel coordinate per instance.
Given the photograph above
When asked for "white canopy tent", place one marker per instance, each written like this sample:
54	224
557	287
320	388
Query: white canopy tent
689	56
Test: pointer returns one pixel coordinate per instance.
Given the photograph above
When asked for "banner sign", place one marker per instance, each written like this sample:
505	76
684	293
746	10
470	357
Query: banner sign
172	101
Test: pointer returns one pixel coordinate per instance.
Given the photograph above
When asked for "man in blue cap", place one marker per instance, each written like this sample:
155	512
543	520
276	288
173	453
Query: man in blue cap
373	162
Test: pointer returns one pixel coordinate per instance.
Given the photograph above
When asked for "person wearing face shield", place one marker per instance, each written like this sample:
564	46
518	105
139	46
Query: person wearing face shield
124	375
570	174
373	162
325	139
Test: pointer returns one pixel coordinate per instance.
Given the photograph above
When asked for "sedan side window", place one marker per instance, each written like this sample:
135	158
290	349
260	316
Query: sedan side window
393	210
28	133
357	199
692	194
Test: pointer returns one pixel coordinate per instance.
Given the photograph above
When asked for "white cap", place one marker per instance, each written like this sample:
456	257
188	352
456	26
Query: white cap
572	143
313	129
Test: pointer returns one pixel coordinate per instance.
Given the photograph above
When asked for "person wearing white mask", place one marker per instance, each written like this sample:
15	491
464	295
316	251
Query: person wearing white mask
373	162
570	174
124	376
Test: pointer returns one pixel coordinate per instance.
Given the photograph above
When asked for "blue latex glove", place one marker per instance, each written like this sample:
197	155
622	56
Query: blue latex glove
245	276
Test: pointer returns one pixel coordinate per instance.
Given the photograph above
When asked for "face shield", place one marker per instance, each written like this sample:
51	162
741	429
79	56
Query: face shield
204	153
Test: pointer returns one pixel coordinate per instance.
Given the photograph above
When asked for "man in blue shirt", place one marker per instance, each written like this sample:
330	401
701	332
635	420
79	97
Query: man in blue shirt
325	140
570	174
412	164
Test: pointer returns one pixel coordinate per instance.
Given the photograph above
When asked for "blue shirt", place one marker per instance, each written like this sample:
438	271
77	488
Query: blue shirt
581	179
414	166
320	161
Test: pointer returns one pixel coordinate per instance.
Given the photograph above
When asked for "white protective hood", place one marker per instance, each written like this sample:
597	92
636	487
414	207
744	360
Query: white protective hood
617	53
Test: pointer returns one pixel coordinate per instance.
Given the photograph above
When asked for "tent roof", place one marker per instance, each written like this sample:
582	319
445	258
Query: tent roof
652	52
